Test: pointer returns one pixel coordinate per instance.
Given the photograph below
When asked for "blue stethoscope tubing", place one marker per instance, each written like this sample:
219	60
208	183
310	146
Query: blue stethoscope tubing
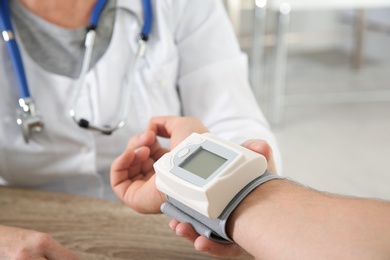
148	16
13	50
96	12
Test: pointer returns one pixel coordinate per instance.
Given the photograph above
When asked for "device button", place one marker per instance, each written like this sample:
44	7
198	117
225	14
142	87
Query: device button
183	152
195	139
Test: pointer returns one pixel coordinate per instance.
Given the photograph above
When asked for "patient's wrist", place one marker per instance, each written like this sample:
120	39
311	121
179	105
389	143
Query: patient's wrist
256	205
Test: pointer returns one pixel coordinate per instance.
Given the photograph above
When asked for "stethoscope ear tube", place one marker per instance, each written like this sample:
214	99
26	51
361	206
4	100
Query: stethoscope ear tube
148	20
13	50
126	99
26	116
96	12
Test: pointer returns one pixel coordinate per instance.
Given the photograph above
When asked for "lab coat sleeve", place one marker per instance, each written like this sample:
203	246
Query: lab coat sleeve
213	75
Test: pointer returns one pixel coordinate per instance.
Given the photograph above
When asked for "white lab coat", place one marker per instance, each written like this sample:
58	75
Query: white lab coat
193	67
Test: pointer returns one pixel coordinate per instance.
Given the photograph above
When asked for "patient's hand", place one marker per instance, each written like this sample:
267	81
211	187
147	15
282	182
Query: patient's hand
133	176
201	243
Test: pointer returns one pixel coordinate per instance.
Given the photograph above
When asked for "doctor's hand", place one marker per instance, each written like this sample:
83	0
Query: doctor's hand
132	173
17	243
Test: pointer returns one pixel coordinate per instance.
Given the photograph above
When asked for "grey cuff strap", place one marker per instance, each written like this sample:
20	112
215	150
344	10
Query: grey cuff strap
212	228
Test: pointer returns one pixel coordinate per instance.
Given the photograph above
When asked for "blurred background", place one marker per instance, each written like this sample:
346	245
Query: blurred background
321	73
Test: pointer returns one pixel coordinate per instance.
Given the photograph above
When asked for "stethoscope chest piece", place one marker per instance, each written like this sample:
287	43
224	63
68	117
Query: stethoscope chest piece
27	119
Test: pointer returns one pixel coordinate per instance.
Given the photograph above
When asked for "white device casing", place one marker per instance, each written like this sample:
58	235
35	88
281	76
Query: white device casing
212	198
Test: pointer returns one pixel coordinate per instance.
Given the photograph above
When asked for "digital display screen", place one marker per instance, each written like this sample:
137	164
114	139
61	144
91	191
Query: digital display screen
203	163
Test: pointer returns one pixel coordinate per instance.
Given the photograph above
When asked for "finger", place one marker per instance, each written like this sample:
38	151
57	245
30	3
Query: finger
173	224
262	147
51	249
217	249
156	125
186	231
136	188
146	138
201	243
259	146
57	251
167	126
156	150
144	197
120	166
126	167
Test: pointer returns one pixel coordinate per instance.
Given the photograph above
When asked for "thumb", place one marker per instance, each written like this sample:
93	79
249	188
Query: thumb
176	128
263	148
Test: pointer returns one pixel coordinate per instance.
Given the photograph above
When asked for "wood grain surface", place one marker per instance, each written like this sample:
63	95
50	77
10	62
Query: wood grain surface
93	228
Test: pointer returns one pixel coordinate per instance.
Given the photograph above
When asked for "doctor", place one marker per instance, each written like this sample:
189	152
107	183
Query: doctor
192	66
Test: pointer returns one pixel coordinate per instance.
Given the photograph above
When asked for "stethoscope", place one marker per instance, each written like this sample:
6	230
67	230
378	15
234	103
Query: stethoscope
27	118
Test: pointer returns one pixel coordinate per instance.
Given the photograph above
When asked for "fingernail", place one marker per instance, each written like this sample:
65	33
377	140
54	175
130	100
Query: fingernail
171	226
205	249
142	136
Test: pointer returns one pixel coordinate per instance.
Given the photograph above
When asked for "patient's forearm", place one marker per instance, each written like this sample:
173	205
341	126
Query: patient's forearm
283	220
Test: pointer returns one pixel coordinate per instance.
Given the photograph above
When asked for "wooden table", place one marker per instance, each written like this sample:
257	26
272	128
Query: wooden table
93	228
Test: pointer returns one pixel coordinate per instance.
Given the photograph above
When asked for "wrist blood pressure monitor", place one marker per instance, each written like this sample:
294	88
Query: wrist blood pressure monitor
205	178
